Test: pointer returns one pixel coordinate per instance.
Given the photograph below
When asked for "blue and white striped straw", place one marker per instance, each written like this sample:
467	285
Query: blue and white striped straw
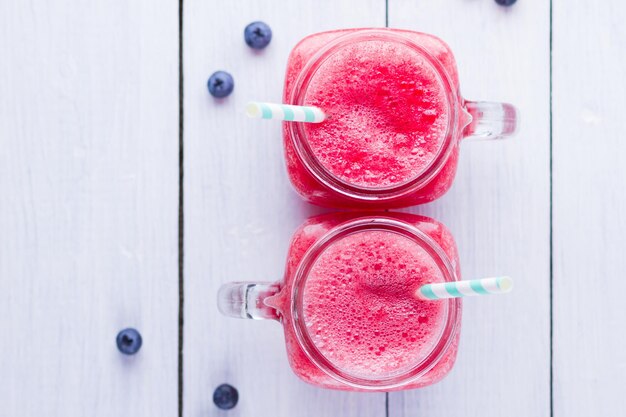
484	286
285	112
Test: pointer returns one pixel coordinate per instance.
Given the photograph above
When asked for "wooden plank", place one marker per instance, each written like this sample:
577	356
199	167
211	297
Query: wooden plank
88	215
240	211
498	210
589	204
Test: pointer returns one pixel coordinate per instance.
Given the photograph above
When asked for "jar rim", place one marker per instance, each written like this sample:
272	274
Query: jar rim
297	134
445	337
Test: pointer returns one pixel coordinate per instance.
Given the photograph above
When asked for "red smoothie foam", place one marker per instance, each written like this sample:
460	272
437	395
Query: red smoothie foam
387	113
360	305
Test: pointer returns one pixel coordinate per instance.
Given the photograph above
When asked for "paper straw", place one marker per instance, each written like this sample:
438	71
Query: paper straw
484	286
285	112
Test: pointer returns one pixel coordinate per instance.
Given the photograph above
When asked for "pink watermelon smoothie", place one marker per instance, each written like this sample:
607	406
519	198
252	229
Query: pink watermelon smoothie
359	306
389	115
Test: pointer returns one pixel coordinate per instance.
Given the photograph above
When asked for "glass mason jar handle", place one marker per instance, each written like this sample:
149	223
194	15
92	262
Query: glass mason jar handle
490	120
246	300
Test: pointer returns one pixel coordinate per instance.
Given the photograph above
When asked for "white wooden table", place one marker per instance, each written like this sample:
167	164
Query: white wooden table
128	195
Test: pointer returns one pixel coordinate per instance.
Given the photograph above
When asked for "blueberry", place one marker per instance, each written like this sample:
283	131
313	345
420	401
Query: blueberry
220	84
506	2
225	397
257	35
128	341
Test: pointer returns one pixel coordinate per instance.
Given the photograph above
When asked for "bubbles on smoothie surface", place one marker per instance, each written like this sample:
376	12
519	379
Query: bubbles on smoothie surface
388	113
360	308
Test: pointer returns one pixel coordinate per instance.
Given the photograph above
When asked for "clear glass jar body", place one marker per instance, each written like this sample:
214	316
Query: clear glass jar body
284	301
315	182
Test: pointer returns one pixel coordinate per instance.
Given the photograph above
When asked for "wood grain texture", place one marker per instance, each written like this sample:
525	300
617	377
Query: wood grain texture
88	213
497	209
240	210
589	204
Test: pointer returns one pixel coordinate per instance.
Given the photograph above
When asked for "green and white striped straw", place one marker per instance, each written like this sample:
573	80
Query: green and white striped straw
484	286
285	112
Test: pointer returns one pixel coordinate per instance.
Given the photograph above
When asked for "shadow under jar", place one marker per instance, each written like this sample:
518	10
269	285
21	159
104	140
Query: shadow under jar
348	303
394	118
